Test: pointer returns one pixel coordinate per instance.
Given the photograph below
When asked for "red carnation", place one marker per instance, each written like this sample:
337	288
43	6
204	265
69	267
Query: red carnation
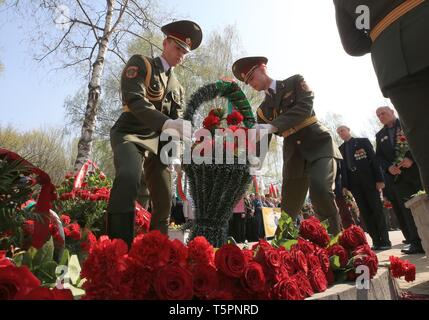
235	118
174	283
287	289
318	280
311	229
151	250
72	231
253	278
230	261
352	238
178	253
410	272
205	280
200	251
90	240
65	219
211	122
104	268
400	268
338	250
67	196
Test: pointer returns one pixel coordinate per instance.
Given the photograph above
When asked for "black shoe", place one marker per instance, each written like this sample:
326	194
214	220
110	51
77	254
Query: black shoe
413	249
385	247
406	242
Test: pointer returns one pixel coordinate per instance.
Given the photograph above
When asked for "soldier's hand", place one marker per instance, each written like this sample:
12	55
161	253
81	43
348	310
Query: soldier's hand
345	191
264	129
178	128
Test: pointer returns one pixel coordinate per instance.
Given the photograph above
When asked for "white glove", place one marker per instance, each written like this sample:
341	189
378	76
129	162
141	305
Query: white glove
178	128
264	129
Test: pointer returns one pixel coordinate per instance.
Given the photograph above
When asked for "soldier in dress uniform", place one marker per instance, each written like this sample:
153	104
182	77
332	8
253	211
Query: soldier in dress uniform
309	152
153	100
397	39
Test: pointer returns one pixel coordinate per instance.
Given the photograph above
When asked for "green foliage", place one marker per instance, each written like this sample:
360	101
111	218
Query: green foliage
287	232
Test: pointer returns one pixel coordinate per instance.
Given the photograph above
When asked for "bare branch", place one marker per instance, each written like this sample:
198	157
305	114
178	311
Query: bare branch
58	45
121	13
89	20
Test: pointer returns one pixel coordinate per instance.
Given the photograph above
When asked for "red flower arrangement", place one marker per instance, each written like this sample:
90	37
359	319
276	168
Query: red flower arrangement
18	283
399	269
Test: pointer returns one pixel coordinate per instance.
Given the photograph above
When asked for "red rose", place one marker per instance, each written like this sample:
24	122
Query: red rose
318	280
4	261
305	288
300	261
178	253
200	251
352	238
313	261
174	283
330	277
235	118
205	280
230	260
262	244
280	274
287	289
270	257
338	250
151	250
48	294
211	122
305	246
15	282
287	261
311	229
364	256
325	262
248	255
254	278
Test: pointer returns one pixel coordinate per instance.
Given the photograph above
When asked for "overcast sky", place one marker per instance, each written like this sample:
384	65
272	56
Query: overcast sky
298	36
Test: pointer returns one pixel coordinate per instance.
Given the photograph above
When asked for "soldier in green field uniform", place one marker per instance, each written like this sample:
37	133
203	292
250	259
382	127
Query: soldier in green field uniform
396	35
153	101
309	151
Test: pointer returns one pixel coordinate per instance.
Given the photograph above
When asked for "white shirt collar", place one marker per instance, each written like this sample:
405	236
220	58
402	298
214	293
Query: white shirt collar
165	64
273	86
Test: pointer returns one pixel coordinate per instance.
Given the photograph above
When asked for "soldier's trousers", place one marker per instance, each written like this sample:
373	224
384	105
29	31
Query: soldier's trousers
319	179
130	160
410	97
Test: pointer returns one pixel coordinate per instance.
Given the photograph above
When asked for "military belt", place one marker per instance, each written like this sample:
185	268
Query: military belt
308	122
393	16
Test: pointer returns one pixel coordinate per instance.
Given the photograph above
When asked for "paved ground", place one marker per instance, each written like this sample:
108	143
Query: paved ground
421	285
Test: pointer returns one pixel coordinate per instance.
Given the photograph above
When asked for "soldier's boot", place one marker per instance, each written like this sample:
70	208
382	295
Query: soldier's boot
121	226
